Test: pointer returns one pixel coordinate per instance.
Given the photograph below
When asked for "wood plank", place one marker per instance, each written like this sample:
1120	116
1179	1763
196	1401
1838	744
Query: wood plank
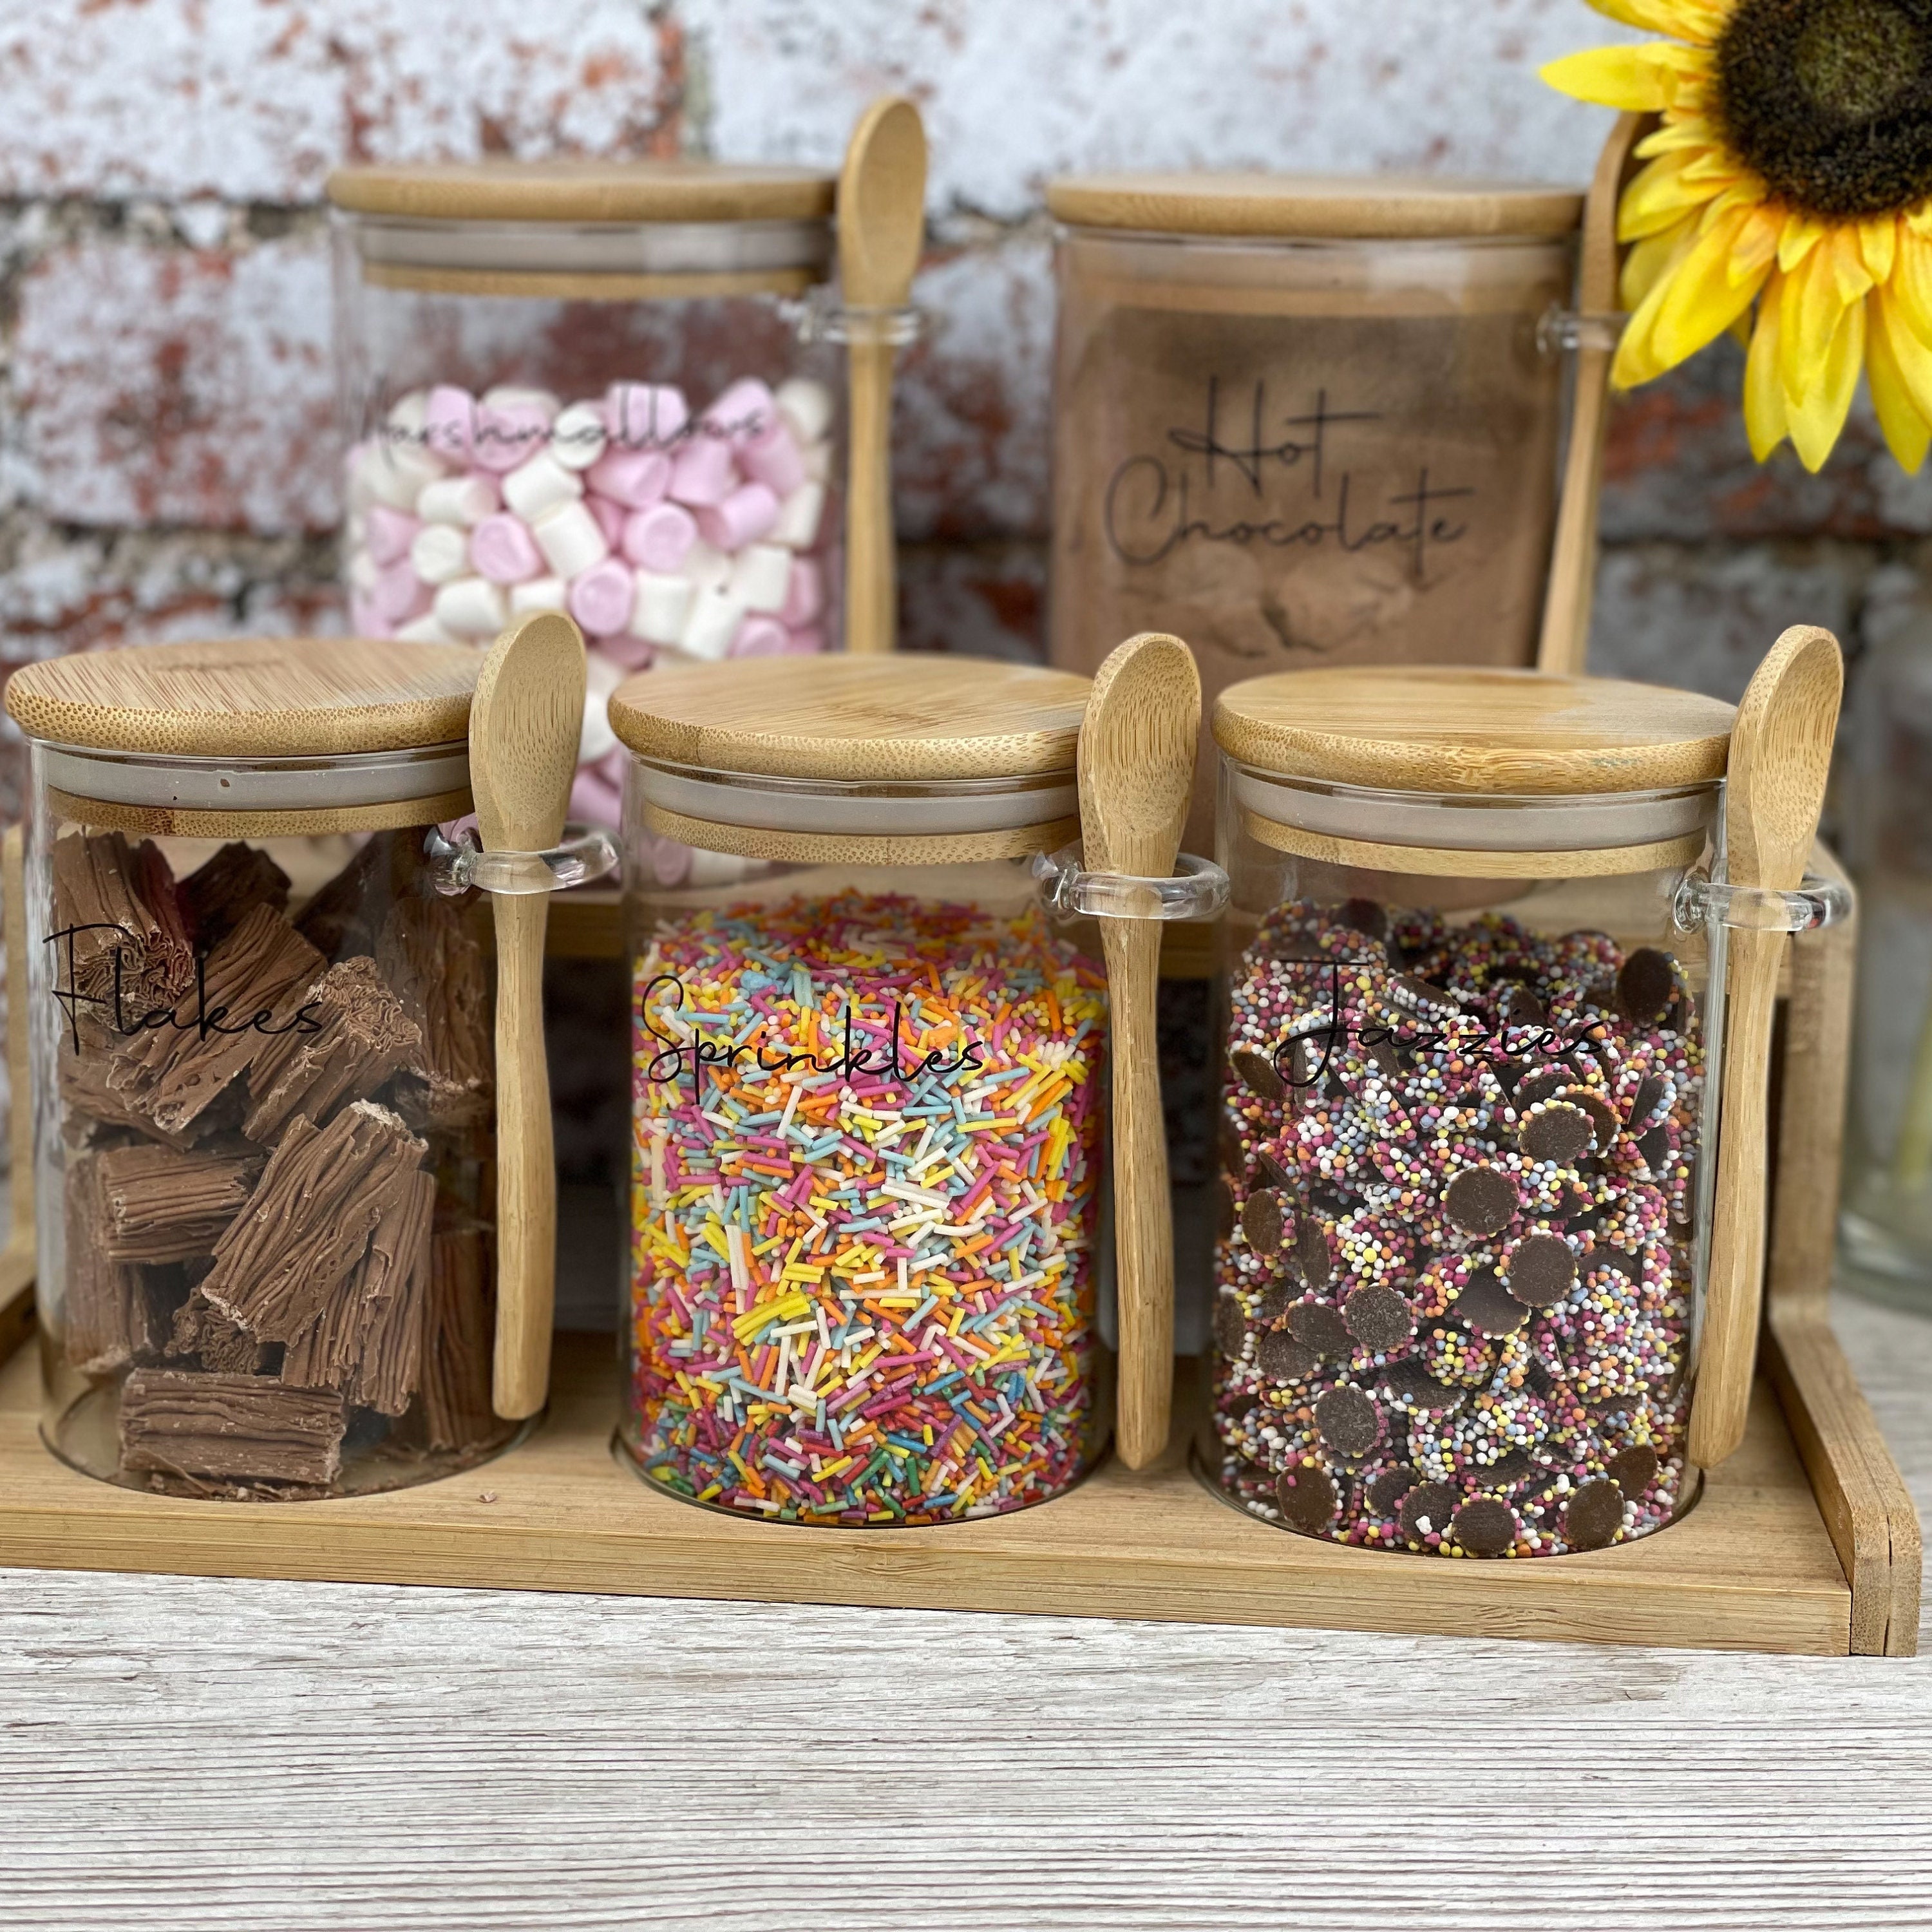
1751	1567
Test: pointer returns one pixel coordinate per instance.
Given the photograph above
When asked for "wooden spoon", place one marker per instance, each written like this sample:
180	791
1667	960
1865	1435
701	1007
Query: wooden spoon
524	724
1780	755
1137	745
1573	553
881	227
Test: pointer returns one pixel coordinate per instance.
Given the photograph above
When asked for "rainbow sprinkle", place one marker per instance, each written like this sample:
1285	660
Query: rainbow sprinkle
866	1141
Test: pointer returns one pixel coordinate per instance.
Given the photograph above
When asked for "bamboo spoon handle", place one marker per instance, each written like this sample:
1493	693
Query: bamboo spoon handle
1573	556
871	582
1143	1216
526	1163
1780	760
881	228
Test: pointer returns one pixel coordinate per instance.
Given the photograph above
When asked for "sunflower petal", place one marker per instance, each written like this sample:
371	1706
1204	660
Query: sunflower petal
1677	131
1765	420
1701	299
1802	233
1756	248
1695	20
1659	196
1818	295
1642	79
1908	434
1637	360
1646	262
1816	420
1878	245
1908	355
1911	282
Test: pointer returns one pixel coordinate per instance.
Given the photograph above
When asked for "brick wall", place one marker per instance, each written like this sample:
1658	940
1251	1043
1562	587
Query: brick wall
165	402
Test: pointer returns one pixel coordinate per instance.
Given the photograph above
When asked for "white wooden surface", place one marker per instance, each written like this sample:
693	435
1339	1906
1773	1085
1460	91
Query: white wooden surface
202	1754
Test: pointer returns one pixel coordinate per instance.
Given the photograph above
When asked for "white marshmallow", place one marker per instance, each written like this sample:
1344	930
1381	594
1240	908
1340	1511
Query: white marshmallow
761	575
571	539
807	406
662	608
473	607
540	484
463	500
425	630
705	568
798	517
362	571
408	413
396	473
715	617
511	396
439	552
601	677
715	868
577	438
818	457
538	593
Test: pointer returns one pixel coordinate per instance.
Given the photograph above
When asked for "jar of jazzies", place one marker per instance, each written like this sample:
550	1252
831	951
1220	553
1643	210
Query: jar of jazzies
868	1067
264	1088
1473	985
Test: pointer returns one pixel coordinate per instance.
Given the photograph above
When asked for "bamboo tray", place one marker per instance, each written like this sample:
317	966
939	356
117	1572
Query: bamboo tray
1805	1541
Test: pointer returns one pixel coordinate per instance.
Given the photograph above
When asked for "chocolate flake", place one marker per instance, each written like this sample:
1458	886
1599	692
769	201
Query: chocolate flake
243	1428
1595	1514
362	1036
459	1336
320	1198
109	1314
160	1205
216	899
208	1336
429	955
1480	1200
132	935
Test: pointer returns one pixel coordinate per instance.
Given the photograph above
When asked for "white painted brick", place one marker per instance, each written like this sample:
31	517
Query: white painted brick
172	385
1016	90
256	100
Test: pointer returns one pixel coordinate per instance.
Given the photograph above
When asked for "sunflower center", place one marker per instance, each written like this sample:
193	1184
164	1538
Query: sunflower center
1830	100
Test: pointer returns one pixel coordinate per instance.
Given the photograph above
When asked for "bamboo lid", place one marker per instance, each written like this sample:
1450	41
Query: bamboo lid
908	717
1315	207
251	697
1452	729
585	190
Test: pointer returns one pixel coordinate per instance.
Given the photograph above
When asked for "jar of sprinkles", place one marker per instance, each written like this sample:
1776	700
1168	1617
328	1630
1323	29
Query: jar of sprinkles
1473	977
868	1126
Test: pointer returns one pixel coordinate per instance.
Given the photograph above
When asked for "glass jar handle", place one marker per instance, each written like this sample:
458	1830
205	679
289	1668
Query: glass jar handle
1560	330
1817	901
1198	888
820	316
586	852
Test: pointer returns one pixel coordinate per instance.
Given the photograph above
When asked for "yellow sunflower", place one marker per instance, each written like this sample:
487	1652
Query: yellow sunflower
1787	195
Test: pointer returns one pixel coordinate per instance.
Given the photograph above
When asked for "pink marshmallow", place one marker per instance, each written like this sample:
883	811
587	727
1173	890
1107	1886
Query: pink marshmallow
364	620
611	517
632	477
760	637
659	538
387	533
745	516
670	860
400	594
805	593
632	653
644	416
449	423
702	471
773	459
805	643
746	413
594	800
502	549
503	438
600	600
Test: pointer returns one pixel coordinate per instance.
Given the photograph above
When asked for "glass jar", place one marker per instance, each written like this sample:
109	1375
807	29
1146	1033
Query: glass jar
869	1149
1301	419
1473	990
596	387
263	1068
